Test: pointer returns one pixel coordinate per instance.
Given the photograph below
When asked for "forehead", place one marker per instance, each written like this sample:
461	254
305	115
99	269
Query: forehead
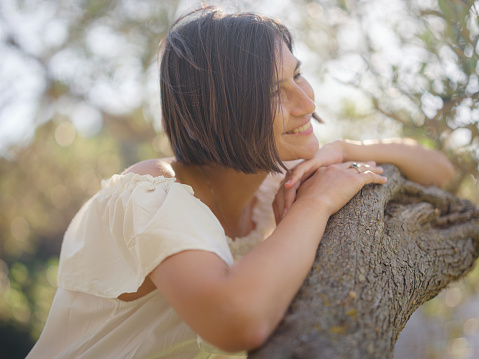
286	62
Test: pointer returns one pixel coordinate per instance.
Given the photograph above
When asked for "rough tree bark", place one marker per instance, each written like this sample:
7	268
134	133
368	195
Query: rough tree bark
389	250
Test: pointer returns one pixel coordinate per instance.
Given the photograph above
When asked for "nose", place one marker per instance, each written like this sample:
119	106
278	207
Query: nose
303	101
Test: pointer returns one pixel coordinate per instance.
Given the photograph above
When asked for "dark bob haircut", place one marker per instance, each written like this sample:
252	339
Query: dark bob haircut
216	80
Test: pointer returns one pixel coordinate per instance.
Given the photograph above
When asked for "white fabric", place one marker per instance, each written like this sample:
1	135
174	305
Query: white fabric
263	217
118	237
133	224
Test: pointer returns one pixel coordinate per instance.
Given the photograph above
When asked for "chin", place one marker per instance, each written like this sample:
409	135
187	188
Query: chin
301	150
310	151
305	154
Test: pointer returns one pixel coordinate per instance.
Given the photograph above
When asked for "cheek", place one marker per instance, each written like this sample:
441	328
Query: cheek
282	119
279	120
278	130
278	133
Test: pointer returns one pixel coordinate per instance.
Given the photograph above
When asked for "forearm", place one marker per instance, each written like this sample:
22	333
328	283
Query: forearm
427	167
237	308
265	281
271	274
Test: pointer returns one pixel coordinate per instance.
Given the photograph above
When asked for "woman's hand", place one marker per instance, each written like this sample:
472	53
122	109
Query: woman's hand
418	164
332	186
329	154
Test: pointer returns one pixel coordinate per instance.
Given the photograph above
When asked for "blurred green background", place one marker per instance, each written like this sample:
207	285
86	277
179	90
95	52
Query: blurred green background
79	102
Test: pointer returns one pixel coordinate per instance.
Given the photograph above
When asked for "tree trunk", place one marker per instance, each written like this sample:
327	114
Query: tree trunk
390	249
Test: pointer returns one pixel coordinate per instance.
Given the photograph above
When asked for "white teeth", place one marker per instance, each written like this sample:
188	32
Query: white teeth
302	128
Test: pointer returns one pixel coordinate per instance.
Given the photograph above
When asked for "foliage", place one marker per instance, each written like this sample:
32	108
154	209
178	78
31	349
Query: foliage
90	113
414	62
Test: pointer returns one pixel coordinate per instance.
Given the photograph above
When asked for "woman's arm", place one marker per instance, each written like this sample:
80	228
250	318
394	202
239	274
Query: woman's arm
426	167
237	308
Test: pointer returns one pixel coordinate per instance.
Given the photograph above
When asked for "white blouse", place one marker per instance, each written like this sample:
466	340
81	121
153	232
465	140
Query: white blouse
116	239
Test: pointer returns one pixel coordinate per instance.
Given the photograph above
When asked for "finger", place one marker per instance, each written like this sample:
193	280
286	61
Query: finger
299	177
276	213
296	175
348	164
360	164
371	177
370	165
279	201
378	170
354	166
361	167
290	196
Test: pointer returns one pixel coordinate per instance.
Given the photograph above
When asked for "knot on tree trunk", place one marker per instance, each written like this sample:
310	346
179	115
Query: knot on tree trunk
390	249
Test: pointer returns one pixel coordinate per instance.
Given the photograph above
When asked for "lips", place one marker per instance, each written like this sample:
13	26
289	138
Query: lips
301	129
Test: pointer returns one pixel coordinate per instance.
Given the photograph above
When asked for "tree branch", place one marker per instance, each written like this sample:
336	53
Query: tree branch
389	250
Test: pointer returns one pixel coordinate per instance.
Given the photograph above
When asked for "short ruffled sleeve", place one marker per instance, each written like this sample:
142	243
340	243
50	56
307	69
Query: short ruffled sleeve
135	222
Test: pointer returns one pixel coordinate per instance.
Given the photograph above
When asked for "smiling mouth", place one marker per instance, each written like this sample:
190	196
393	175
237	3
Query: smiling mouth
297	130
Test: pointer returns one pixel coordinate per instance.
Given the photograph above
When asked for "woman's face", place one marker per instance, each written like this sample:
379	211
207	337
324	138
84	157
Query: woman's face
292	122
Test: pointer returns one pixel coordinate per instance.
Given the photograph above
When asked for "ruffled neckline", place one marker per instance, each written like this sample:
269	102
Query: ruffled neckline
262	216
262	213
130	180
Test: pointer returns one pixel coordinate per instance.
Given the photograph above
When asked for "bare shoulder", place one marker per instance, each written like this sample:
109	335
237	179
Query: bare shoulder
155	167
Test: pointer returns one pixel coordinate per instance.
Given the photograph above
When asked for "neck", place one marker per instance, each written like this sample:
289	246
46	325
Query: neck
235	190
228	193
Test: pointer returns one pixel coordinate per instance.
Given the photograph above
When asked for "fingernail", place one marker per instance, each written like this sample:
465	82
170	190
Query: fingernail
288	182
284	213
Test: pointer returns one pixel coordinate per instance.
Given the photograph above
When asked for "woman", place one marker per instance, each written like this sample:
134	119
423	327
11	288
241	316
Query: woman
147	268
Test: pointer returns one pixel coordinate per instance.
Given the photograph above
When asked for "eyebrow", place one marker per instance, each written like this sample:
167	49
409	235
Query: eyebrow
298	65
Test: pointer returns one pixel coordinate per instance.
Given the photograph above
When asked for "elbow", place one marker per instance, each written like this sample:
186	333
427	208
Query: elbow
242	339
449	175
247	338
436	170
446	174
245	327
256	334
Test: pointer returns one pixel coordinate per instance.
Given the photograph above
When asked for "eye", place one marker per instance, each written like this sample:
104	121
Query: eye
298	75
